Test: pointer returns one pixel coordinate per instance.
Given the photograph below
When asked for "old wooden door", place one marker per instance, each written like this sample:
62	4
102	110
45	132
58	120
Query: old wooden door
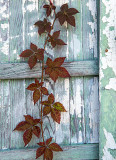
79	131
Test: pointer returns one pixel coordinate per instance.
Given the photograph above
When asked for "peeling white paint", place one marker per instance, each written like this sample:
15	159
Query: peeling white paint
112	84
110	144
109	60
92	7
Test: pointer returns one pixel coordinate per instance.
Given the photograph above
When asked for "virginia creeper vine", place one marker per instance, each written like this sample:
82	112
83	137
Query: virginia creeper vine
54	69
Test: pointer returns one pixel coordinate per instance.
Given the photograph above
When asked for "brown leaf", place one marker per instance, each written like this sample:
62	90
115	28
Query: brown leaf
46	110
22	126
32	61
56	115
54	75
62	72
41	144
66	15
55	147
59	107
51	98
27	136
48	141
36	95
32	87
29	119
40	54
40	151
59	61
26	53
49	8
60	42
44	90
36	121
36	131
56	34
48	154
33	47
46	103
71	20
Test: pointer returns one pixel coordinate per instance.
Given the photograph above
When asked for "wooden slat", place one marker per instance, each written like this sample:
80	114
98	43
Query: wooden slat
21	70
84	151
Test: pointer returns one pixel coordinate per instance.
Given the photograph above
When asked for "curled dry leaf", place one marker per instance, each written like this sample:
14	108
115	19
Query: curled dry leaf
53	39
43	26
29	126
66	14
54	69
34	54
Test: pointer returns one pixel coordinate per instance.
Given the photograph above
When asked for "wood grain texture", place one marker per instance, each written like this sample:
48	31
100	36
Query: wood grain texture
75	152
22	70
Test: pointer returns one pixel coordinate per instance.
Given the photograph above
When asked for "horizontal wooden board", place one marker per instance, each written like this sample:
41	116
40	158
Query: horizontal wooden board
83	151
22	70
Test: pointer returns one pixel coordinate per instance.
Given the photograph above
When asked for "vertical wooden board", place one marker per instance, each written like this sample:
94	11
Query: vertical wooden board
91	103
74	34
90	51
76	102
15	30
107	81
62	96
4	31
90	35
5	113
17	104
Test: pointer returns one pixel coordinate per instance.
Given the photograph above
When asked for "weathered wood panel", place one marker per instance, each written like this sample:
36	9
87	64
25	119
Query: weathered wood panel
22	70
88	151
78	123
108	80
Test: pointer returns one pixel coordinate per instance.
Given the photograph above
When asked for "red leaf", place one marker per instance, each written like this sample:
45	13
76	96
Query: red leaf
32	61
60	42
40	54
44	90
49	62
46	103
56	115
33	47
48	154
51	98
36	95
62	72
59	107
36	131
32	87
27	136
71	20
29	119
22	126
61	17
55	147
48	141
26	53
54	75
46	110
36	121
40	151
41	144
72	11
56	34
59	61
64	7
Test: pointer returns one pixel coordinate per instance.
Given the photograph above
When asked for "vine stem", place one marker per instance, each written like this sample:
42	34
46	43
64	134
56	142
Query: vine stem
43	74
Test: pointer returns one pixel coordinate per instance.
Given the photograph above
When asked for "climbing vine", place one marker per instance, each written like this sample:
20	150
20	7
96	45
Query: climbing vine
54	69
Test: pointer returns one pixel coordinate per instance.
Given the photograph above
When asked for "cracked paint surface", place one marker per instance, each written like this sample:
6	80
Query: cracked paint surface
107	79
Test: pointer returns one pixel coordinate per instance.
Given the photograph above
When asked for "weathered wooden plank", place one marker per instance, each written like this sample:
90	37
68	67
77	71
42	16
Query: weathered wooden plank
22	70
75	152
107	80
90	51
